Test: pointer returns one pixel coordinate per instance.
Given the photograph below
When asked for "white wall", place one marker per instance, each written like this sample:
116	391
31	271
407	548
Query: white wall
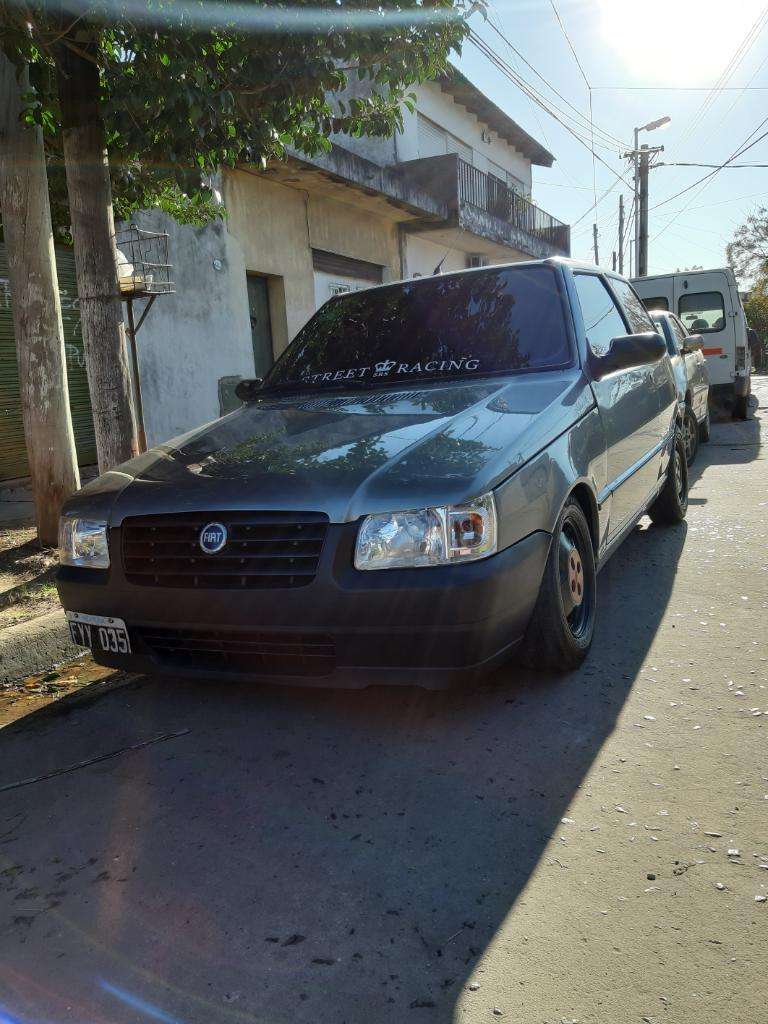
440	107
422	256
198	334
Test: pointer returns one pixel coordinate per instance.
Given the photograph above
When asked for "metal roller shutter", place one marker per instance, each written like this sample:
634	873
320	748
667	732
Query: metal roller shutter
13	453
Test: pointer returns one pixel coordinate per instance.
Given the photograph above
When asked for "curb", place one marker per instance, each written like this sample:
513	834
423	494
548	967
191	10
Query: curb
35	646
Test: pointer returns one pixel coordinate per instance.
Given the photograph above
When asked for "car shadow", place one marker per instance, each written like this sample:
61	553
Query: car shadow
732	442
299	855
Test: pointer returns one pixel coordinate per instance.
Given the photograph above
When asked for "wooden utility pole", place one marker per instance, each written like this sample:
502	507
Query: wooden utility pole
642	213
594	243
621	234
93	231
36	307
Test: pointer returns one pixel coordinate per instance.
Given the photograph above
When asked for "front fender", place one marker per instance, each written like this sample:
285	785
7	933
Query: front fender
533	497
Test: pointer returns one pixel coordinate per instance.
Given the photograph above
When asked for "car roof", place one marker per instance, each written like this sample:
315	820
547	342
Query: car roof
550	261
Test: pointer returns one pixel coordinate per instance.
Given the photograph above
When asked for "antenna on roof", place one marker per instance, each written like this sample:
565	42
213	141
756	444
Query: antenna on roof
439	265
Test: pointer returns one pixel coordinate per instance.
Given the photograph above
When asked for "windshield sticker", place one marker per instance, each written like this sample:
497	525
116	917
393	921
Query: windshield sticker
390	367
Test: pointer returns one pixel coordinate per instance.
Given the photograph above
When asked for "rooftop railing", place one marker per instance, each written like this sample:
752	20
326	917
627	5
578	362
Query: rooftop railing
495	197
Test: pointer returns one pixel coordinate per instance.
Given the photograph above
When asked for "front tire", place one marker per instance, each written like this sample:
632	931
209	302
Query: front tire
690	430
560	632
671	505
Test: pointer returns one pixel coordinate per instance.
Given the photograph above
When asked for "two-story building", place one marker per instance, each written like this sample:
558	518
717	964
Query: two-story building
449	191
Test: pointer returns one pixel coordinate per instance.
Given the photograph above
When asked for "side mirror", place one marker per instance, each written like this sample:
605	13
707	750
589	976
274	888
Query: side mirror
246	390
693	343
630	350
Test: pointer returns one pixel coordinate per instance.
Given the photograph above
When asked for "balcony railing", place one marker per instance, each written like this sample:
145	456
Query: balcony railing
495	197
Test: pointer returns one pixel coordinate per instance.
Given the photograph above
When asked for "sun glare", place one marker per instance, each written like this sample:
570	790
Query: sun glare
683	42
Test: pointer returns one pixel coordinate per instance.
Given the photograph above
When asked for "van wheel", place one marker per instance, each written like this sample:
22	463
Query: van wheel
741	407
560	632
671	505
704	429
690	431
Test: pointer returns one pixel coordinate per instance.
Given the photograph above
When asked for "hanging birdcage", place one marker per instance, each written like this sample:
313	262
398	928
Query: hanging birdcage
142	263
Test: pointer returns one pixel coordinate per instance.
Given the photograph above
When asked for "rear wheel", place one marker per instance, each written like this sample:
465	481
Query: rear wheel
563	622
690	430
671	505
741	407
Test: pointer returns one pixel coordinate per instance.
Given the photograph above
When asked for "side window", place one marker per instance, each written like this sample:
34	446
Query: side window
702	311
602	320
637	314
662	325
659	302
679	331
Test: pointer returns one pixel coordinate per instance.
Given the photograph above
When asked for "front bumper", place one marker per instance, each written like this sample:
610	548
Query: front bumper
430	627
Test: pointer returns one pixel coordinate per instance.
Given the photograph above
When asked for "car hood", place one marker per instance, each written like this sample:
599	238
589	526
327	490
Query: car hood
355	453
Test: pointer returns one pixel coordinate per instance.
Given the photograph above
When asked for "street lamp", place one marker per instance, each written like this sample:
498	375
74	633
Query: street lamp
650	127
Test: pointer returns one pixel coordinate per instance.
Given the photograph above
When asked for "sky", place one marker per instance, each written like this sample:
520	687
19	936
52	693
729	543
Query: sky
677	51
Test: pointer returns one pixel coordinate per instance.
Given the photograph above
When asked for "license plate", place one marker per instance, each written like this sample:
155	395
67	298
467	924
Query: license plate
99	632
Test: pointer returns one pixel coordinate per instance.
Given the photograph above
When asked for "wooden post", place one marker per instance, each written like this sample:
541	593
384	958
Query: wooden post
36	306
93	231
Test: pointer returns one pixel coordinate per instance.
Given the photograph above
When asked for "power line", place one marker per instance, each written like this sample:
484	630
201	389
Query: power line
618	143
502	65
529	90
720	167
728	71
743	149
705	180
678	88
589	92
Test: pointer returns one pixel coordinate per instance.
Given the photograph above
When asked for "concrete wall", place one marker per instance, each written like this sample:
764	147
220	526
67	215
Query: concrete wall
423	255
277	227
198	334
202	332
440	107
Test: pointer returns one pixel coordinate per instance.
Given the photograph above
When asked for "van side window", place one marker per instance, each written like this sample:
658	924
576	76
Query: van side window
658	303
702	311
637	314
602	320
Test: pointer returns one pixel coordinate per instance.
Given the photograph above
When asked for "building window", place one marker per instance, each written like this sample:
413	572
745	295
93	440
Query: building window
436	141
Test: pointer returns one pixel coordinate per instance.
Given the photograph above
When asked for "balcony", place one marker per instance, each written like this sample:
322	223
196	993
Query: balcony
484	206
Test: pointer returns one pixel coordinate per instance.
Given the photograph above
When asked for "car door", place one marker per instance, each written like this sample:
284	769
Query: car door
666	329
628	402
704	304
694	368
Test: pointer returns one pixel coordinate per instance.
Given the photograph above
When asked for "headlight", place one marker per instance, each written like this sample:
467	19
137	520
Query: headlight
428	536
83	542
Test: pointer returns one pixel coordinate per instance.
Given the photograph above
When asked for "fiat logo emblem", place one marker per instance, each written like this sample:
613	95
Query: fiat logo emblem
213	537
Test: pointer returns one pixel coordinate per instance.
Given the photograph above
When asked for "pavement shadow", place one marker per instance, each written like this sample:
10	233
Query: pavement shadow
300	855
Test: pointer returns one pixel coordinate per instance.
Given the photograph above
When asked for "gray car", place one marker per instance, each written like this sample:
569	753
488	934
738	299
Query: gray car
428	478
691	378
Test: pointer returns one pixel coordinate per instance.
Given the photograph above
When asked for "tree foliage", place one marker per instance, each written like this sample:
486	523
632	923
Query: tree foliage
747	254
187	86
756	309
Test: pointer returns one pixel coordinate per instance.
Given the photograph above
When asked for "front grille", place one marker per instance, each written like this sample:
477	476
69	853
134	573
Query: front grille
263	549
300	654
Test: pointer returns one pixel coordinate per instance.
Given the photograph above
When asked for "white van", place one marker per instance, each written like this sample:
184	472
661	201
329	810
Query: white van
708	303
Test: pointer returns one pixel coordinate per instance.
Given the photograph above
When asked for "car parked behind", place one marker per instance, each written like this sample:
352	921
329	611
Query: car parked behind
428	478
691	378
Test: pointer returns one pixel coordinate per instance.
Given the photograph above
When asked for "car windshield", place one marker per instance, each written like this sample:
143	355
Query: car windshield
457	326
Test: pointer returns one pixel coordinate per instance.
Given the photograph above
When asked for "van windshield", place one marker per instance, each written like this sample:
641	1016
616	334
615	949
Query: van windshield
458	326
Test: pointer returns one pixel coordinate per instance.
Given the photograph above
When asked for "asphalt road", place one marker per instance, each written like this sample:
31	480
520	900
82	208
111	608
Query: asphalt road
532	850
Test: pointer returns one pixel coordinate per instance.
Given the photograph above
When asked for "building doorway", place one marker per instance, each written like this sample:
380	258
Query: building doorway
261	324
